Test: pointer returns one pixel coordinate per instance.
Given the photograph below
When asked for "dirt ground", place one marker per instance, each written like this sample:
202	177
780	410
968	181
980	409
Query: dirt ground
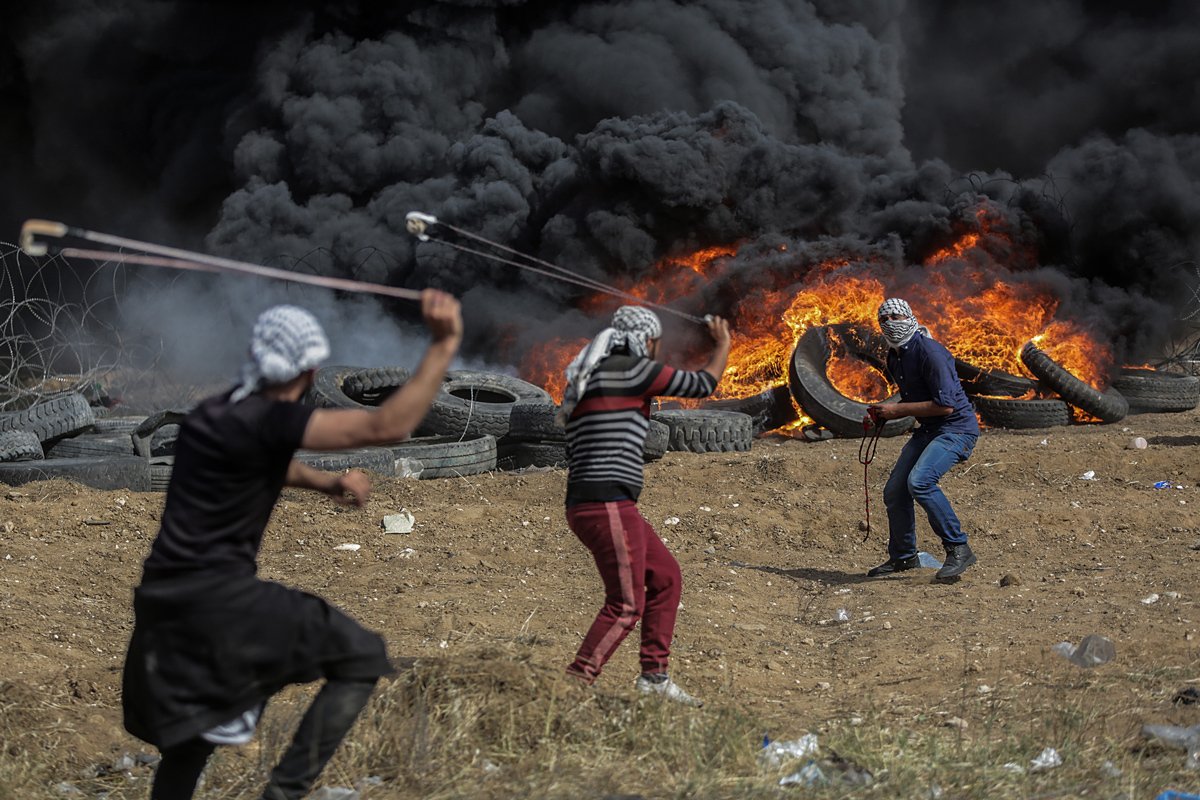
771	549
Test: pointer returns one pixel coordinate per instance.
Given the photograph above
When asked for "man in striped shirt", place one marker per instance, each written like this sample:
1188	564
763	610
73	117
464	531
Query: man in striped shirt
607	415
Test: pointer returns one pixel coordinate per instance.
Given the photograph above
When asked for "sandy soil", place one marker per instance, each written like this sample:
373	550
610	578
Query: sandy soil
770	545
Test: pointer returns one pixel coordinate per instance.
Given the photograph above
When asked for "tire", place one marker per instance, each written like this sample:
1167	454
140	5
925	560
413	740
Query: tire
1004	412
705	431
370	387
372	459
767	410
531	421
478	403
1151	391
117	424
20	446
518	455
146	435
810	384
52	418
160	473
1107	406
109	472
992	382
92	444
448	456
658	440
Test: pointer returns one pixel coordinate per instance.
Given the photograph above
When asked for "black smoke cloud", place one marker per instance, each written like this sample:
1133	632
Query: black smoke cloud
605	136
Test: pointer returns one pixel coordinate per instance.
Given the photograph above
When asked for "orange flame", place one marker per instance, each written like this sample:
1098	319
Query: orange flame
969	298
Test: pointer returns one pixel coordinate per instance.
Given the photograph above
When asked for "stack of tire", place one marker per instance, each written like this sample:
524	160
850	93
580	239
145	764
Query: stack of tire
1057	397
57	437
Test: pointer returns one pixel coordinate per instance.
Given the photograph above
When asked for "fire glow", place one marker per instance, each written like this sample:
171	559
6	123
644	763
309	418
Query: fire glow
982	313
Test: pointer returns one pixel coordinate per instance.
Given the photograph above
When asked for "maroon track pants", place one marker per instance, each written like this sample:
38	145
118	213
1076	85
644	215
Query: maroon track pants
641	581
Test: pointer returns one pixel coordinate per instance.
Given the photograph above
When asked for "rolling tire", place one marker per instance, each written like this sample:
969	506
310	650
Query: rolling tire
372	459
706	431
767	410
828	407
1005	412
1151	391
20	446
478	403
992	382
1107	406
449	456
52	418
107	472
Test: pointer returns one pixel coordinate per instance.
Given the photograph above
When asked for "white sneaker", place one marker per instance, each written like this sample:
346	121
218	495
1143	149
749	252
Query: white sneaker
668	689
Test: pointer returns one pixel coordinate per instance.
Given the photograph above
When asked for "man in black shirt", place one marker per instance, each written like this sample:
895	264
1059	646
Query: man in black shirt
211	641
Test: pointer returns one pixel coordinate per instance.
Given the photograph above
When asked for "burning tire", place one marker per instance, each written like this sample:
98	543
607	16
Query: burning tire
1150	391
20	446
52	418
810	385
767	410
992	382
108	472
1005	412
478	403
705	431
449	456
372	459
1107	406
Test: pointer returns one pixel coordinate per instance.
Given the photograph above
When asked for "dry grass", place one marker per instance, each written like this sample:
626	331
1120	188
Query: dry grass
495	725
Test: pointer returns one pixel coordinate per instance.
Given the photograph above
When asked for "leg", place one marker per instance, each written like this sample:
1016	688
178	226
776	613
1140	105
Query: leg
943	452
325	724
179	770
902	520
664	584
619	550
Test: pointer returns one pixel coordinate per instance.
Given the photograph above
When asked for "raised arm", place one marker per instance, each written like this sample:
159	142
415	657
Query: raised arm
402	412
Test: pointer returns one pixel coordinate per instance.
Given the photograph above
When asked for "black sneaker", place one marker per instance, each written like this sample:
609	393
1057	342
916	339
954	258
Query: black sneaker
895	565
958	558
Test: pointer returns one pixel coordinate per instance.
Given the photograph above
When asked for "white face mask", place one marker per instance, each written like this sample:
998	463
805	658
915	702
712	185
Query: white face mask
898	331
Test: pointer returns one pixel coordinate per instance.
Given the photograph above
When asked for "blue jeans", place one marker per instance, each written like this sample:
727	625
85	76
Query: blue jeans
922	463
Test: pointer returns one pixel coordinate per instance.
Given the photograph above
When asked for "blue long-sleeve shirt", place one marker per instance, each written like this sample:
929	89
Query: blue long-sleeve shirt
924	370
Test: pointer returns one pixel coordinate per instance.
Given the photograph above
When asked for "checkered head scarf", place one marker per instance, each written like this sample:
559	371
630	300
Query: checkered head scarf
287	340
632	327
897	332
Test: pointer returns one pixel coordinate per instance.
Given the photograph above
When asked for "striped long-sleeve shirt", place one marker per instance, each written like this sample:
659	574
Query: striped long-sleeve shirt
606	432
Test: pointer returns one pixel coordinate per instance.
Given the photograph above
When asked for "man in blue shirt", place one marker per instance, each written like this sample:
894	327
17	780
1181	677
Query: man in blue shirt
931	392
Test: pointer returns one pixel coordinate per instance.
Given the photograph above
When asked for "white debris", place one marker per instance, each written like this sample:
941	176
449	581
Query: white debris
1150	599
1090	475
671	521
1047	759
776	753
400	522
348	546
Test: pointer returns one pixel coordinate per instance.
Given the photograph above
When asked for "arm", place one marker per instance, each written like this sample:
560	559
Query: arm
925	408
352	488
400	414
718	328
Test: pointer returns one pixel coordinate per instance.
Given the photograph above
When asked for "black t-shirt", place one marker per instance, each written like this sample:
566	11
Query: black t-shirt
231	460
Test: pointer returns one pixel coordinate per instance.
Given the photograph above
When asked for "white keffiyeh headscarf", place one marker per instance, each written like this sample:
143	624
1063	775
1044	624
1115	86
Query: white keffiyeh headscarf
632	327
287	340
898	332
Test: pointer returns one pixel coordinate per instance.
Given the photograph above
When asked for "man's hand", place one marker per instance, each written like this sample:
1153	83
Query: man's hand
882	412
351	489
718	328
443	315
